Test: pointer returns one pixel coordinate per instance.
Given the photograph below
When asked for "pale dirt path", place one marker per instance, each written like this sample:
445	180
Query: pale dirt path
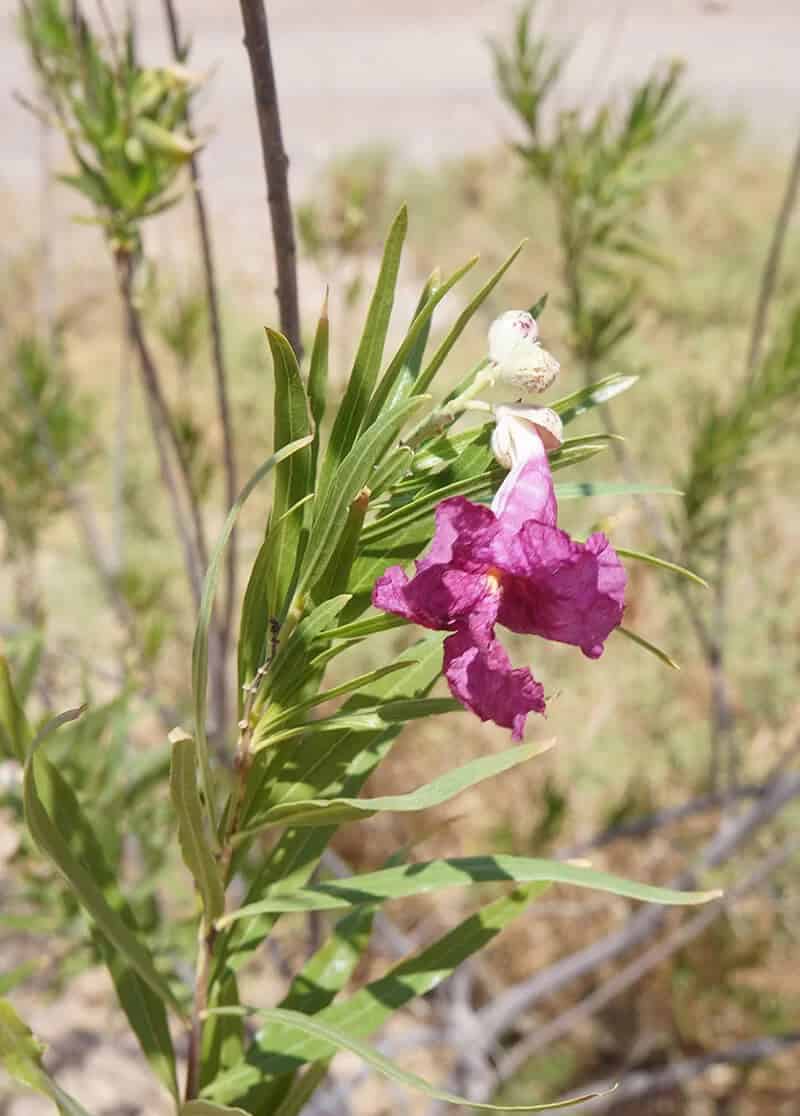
416	75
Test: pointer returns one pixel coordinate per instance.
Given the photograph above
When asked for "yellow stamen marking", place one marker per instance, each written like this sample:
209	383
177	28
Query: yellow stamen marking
493	579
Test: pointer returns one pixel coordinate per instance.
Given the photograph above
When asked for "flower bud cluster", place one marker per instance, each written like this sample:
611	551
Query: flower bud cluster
517	358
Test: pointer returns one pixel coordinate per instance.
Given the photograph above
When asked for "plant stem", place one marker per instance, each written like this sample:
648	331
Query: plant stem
276	165
218	688
164	435
205	949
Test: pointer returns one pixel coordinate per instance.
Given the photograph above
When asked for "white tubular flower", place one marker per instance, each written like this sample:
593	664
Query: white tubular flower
520	432
516	355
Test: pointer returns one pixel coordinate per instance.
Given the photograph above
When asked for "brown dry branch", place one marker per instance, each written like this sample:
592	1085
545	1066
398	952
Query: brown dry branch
219	692
649	1083
276	165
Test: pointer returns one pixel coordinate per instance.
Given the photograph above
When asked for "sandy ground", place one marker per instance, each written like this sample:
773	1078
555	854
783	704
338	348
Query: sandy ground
414	75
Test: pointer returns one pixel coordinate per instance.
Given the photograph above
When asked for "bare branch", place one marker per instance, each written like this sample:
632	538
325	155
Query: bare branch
276	165
220	379
648	1083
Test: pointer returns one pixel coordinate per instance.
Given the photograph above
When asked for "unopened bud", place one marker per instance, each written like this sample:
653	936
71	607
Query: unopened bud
520	432
516	354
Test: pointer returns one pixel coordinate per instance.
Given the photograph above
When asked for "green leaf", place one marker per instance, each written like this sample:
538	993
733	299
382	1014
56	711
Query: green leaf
368	358
661	563
570	406
425	379
200	645
351	476
289	667
338	811
436	875
293	479
272	720
206	1108
336	1039
57	842
360	628
223	1035
419	325
15	734
369	1008
648	646
197	854
318	379
21	1058
313	989
371	719
339	763
538	306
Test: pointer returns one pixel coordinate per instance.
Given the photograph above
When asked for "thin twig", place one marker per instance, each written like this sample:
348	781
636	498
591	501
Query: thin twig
722	713
192	535
632	973
648	1083
180	50
276	165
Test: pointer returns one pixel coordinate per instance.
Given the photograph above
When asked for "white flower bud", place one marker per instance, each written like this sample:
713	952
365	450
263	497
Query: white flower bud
520	432
516	354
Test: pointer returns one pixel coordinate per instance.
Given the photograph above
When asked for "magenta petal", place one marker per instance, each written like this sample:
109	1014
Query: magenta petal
527	493
438	597
481	678
459	526
562	590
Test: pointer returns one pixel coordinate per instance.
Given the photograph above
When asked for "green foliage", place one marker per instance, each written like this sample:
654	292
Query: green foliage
125	123
45	438
598	168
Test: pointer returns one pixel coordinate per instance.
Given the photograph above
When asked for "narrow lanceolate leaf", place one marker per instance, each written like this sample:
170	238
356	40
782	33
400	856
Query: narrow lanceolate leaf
273	721
351	476
570	406
15	735
435	875
277	1050
287	670
648	646
333	764
197	854
358	629
293	477
21	1058
374	719
368	358
200	645
336	1039
57	842
318	379
420	324
340	810
426	377
660	563
313	989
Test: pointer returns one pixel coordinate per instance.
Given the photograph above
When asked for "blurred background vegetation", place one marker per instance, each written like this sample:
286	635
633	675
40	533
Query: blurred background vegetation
651	223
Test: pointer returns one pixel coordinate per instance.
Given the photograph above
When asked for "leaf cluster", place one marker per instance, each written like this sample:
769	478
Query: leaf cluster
598	166
124	123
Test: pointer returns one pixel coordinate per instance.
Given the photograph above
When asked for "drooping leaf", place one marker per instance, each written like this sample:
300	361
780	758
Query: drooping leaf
338	811
336	1039
648	646
197	854
21	1058
436	875
57	841
660	563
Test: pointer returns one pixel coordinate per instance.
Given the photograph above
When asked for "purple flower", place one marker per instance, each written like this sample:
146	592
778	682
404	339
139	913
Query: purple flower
508	564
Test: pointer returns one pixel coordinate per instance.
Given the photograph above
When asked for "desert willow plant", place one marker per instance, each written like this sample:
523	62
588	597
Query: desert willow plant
346	513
